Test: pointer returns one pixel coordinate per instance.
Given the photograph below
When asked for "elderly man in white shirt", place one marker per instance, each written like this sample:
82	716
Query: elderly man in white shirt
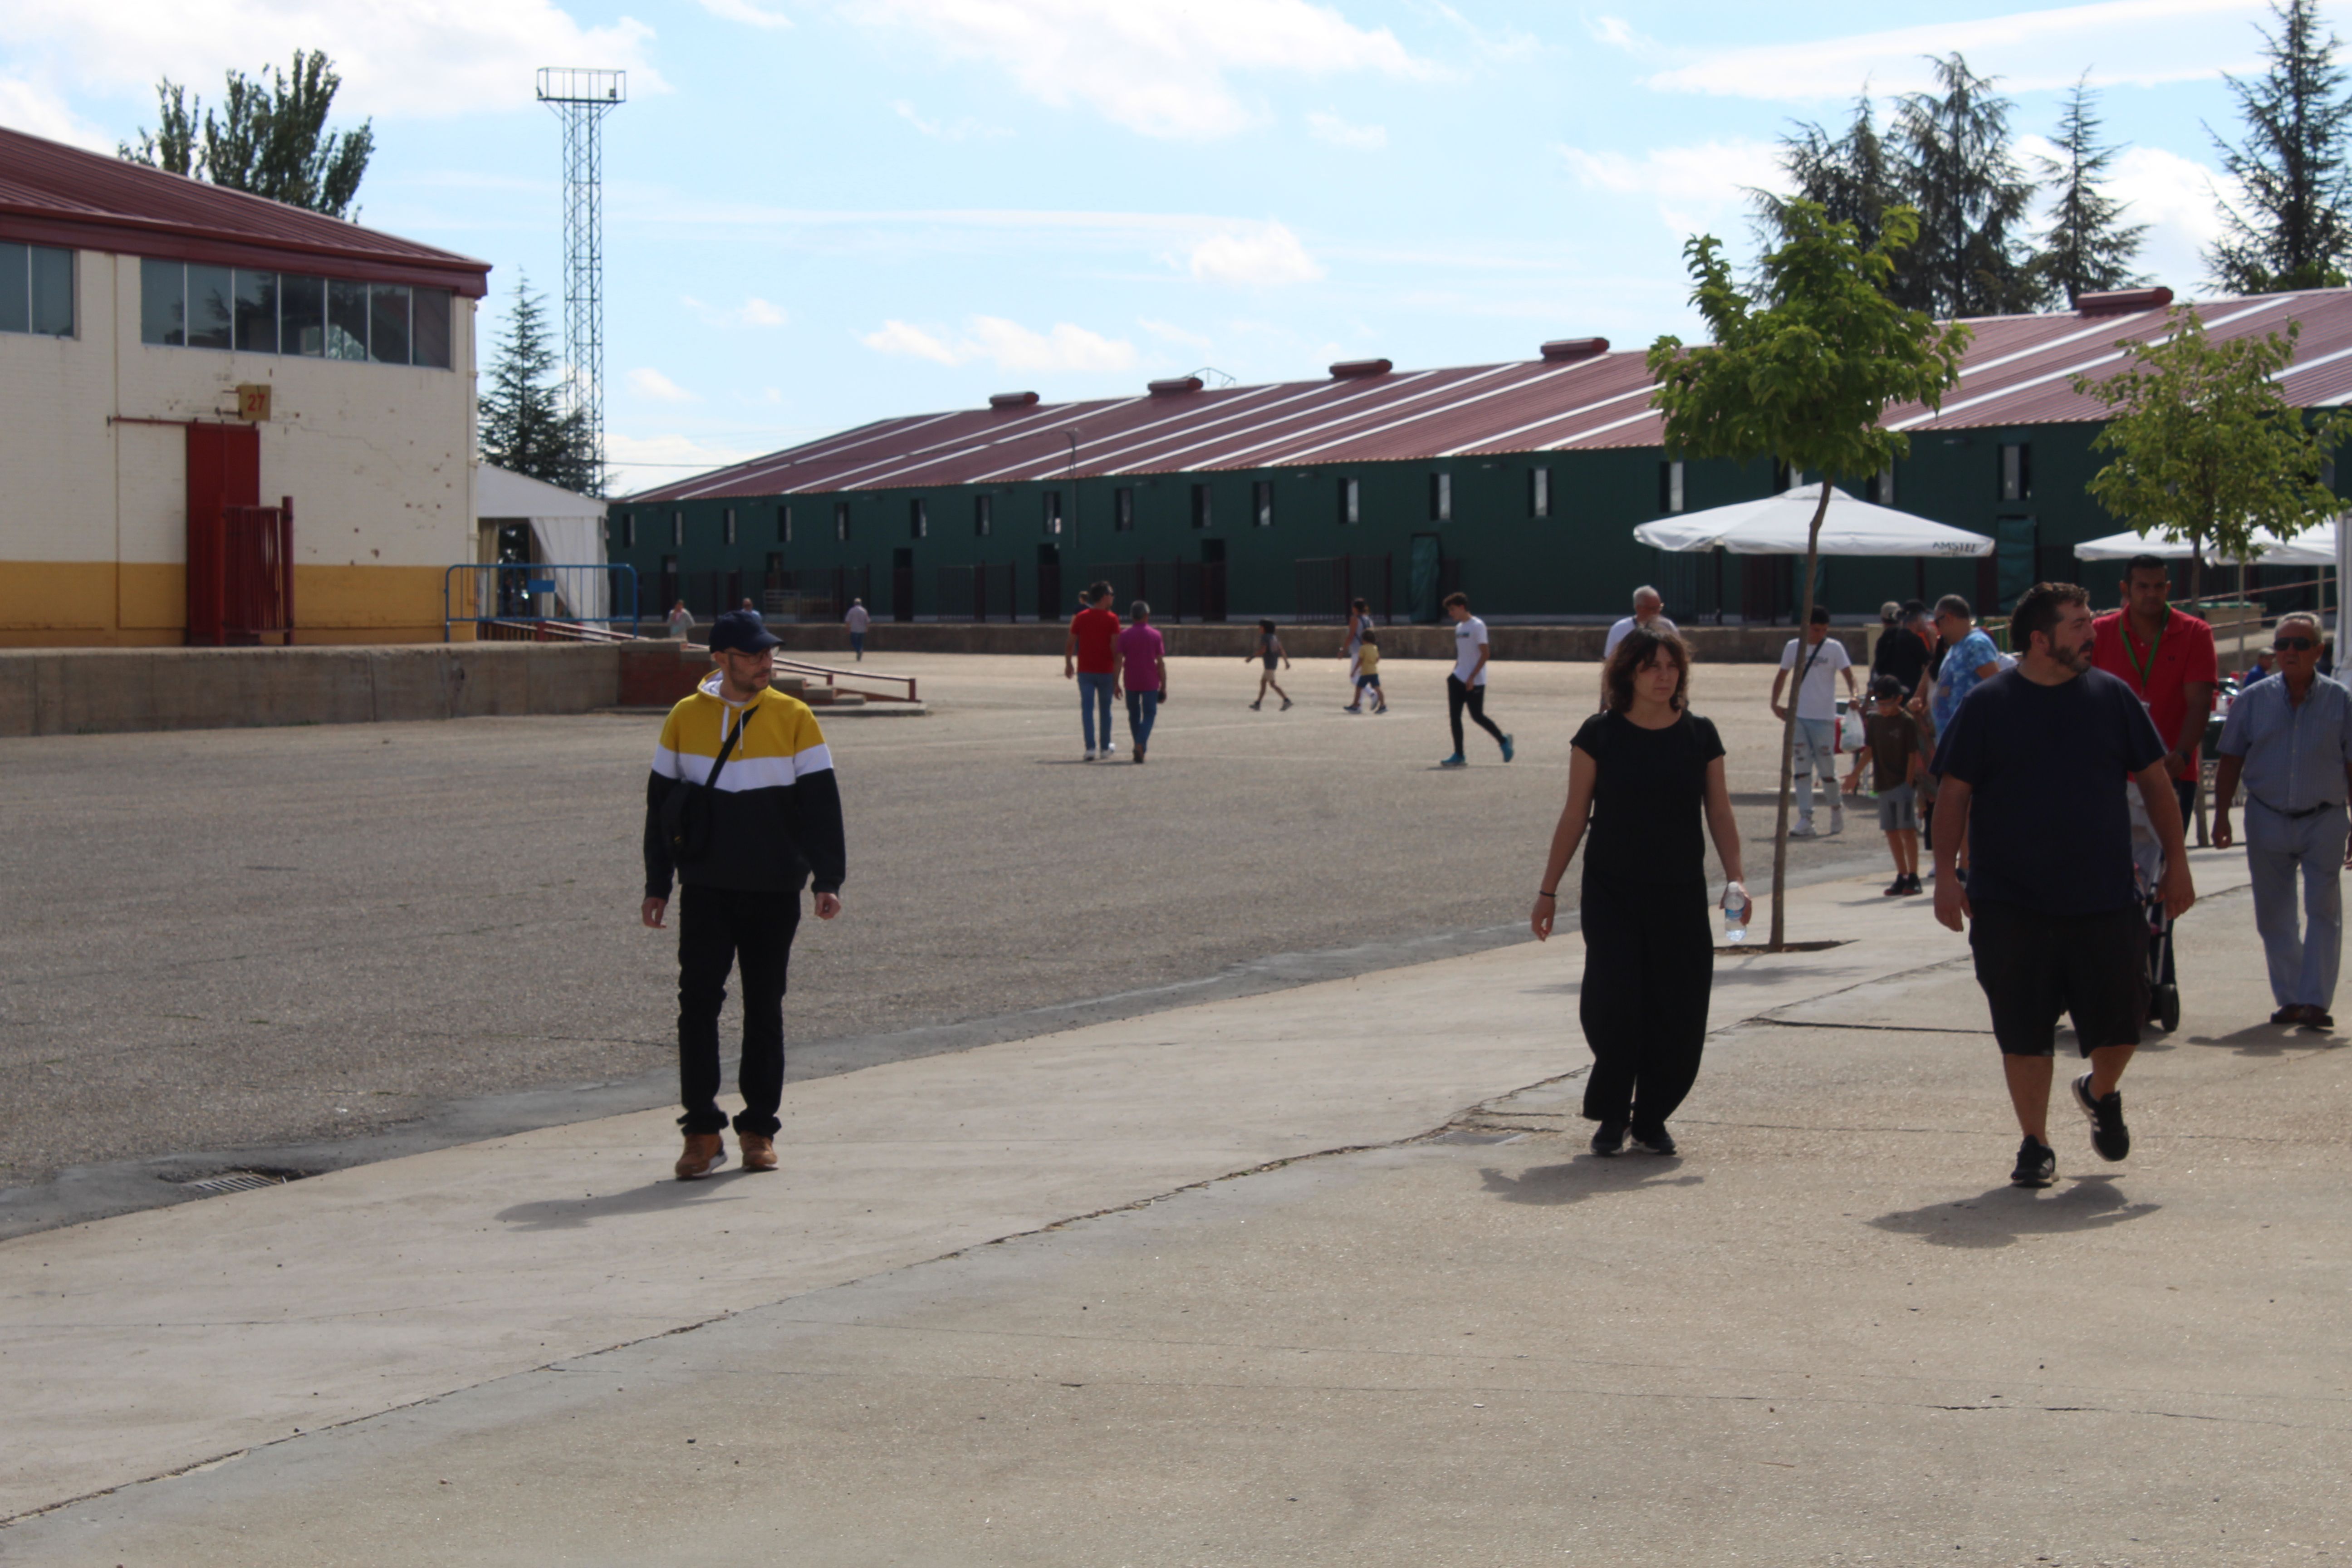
1649	608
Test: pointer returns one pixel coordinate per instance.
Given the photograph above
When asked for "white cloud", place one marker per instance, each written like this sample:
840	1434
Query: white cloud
641	462
2142	42
1695	188
1007	345
653	384
427	57
1162	68
964	130
753	311
31	108
1339	133
1169	331
1616	32
1255	257
2175	196
758	312
743	11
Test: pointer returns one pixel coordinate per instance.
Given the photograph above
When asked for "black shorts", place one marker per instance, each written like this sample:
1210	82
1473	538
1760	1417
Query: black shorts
1270	661
2033	966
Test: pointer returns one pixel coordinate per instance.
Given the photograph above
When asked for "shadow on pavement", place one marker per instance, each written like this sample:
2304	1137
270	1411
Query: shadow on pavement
655	1197
1586	1176
2267	1041
2005	1214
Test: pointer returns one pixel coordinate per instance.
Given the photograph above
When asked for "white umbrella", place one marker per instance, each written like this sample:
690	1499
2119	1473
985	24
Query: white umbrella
2312	547
1777	526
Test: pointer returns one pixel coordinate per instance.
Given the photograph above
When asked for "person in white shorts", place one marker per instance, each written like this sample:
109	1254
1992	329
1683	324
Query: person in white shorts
1822	657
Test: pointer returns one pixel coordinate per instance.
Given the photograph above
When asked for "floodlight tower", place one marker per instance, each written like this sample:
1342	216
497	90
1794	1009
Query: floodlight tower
581	100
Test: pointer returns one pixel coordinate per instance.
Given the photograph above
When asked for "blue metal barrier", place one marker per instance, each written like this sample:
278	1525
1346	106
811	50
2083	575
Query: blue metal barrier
538	601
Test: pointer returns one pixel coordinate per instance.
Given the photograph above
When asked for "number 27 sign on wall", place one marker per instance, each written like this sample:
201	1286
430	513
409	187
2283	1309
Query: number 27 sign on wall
253	401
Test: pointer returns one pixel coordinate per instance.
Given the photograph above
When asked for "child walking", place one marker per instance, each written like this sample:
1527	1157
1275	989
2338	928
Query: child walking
1897	752
1269	650
1368	674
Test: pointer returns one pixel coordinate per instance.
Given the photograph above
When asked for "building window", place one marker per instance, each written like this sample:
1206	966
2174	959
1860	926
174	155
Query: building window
984	516
775	565
1882	486
1538	492
2016	471
1053	511
677	530
628	531
841	519
1201	506
1670	487
187	305
783	525
1440	498
1351	503
727	526
1262	503
918	518
1122	510
36	291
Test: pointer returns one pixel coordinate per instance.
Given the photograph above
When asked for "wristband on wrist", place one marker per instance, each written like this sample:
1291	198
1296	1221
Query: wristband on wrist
1541	894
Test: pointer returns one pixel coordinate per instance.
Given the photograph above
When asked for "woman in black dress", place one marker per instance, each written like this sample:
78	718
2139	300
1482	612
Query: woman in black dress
1641	777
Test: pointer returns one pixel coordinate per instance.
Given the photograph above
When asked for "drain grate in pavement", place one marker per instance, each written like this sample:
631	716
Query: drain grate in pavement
237	1181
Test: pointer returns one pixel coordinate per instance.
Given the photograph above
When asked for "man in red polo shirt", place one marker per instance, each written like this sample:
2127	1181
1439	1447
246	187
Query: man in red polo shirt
2166	657
1090	654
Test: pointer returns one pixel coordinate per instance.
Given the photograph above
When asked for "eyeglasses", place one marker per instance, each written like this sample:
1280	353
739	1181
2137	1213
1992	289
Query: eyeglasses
2293	645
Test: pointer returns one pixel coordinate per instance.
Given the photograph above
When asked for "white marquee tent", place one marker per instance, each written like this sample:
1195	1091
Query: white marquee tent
1776	525
567	530
2312	547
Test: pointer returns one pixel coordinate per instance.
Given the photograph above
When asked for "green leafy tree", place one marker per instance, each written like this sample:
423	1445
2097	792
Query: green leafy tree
1960	173
270	138
2206	448
1853	177
2087	248
1802	364
2291	232
525	429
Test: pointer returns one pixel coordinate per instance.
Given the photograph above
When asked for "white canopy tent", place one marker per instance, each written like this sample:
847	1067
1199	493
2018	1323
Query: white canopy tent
567	530
2312	547
1776	525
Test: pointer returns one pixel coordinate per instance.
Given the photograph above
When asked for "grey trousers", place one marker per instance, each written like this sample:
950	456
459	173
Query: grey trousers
2303	963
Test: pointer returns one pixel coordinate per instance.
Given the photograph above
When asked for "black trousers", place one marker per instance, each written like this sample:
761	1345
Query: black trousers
719	929
1649	967
1457	698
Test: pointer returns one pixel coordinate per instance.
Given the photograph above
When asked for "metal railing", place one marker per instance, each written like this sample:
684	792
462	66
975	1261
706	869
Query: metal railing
518	600
833	678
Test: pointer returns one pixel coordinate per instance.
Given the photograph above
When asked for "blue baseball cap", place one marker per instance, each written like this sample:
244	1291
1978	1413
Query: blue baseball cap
740	631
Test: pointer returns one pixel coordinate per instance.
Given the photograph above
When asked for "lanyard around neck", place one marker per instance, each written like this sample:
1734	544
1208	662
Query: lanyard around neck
2147	666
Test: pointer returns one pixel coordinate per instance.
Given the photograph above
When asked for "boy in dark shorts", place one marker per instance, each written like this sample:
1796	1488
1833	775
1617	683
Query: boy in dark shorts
2032	771
1897	752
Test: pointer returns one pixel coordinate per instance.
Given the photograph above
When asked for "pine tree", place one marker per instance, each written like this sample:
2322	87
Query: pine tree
1972	197
270	140
2292	232
525	429
2086	249
1850	177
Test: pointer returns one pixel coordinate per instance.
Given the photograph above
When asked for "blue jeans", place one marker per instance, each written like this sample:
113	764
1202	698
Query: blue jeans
1142	712
1093	692
857	644
2303	963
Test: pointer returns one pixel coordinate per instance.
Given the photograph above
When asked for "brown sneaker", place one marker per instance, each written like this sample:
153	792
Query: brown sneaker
705	1153
758	1153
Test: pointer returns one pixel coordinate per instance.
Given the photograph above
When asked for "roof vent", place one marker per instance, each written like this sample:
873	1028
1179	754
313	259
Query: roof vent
1347	368
1175	386
1013	400
1575	348
2115	300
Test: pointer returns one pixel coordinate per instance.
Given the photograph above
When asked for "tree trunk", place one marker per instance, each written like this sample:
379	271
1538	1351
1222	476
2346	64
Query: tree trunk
1789	732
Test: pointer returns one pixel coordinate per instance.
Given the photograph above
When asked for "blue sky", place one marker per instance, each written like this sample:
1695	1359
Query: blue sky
820	211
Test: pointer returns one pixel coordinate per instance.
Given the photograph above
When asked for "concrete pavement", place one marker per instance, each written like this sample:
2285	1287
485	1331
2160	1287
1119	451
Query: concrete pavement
1828	1332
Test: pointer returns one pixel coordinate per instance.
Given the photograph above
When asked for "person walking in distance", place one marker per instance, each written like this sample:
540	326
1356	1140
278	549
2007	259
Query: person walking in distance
1269	654
680	622
1641	776
1359	625
2289	739
1091	652
1467	686
1896	754
742	808
857	620
1649	610
1368	672
2031	768
1143	663
1818	659
1904	646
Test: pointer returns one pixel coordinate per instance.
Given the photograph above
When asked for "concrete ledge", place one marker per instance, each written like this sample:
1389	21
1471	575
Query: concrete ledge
112	690
1237	640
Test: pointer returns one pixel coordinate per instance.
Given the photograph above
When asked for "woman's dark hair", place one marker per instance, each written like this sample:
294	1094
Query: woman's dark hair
1642	645
1265	625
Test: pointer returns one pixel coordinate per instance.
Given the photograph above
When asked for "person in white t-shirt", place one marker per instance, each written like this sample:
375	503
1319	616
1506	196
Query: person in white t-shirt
857	620
1823	656
1467	686
1649	608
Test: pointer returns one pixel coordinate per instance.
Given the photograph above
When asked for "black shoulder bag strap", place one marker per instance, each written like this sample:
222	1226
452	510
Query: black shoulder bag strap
685	813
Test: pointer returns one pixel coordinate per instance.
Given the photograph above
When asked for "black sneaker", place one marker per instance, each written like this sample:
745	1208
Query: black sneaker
1653	1141
2109	1136
1609	1140
2037	1165
1897	887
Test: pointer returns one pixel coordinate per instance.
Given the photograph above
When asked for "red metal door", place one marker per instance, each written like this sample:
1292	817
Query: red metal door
224	470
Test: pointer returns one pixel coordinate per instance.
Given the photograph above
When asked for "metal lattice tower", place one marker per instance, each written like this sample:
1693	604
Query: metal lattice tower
581	100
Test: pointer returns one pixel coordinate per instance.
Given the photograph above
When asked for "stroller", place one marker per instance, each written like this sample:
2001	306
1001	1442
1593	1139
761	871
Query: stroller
2148	876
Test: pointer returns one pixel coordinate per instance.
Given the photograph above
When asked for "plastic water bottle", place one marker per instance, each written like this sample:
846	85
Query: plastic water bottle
1736	909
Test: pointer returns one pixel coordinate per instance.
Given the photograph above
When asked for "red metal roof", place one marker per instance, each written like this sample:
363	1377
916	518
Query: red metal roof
2020	370
51	194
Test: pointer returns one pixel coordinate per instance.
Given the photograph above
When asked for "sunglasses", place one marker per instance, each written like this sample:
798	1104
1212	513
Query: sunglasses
2293	645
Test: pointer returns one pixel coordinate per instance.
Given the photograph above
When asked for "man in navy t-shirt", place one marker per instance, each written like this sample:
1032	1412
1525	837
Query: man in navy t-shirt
2032	771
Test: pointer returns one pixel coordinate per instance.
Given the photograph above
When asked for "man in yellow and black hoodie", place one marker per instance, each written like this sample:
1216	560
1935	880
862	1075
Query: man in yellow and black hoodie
742	808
